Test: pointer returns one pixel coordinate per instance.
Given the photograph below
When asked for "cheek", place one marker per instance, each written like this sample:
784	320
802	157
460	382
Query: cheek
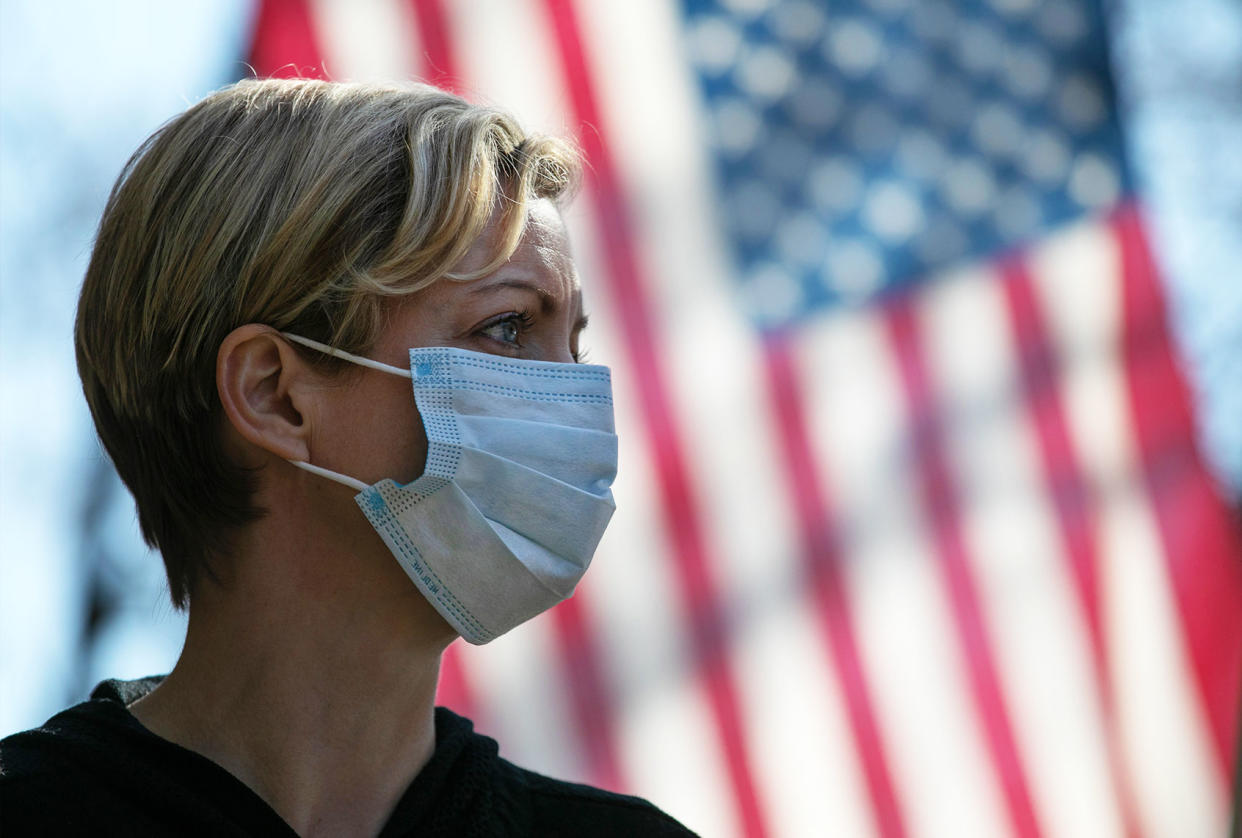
404	454
380	434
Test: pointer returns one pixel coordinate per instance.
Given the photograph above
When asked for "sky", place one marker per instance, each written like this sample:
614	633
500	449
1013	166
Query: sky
81	85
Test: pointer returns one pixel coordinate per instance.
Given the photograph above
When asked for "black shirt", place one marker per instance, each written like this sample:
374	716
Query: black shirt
94	769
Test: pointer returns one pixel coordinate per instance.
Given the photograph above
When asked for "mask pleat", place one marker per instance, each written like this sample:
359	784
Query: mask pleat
578	456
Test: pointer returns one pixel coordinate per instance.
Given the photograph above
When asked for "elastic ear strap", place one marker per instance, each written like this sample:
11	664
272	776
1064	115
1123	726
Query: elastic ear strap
340	353
344	480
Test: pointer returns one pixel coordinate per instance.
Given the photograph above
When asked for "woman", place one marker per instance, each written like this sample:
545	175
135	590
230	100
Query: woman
273	270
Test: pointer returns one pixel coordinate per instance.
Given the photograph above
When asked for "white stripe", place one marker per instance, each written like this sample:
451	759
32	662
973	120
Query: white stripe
670	750
532	715
803	757
698	798
804	768
689	784
667	747
507	57
1033	615
1178	791
367	40
936	752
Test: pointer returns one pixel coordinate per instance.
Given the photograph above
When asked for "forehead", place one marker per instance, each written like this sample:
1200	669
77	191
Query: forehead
544	243
542	254
545	228
544	238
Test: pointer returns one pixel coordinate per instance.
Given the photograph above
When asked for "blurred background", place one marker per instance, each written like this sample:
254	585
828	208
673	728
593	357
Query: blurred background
926	327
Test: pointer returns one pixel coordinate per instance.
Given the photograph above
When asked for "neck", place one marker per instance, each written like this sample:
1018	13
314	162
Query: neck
316	690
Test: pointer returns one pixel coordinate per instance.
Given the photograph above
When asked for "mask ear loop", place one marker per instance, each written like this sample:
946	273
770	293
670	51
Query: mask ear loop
343	479
341	353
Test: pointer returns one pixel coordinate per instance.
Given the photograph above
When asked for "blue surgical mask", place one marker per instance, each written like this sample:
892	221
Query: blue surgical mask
516	491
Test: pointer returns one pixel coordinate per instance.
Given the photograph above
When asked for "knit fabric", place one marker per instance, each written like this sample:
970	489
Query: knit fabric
94	769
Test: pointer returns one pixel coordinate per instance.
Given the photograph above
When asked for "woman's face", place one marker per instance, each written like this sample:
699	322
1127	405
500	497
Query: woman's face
530	307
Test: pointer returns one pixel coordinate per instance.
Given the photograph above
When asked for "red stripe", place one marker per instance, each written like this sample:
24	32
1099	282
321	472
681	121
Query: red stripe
823	570
1075	508
576	640
679	504
940	500
440	62
452	689
284	43
1201	541
591	701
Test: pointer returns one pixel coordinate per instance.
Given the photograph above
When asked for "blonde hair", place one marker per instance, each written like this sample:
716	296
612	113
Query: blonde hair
304	205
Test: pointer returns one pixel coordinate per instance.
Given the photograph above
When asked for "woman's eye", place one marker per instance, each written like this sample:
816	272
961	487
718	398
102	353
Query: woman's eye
507	329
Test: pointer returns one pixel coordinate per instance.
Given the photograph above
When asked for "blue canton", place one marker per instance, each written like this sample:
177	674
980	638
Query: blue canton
861	145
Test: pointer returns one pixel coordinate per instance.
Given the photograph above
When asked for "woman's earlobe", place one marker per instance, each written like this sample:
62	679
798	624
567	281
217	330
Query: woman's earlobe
257	377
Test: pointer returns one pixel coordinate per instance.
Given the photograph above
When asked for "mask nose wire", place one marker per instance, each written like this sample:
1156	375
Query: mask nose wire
343	479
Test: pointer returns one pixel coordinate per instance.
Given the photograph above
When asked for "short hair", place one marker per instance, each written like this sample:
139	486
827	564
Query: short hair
301	204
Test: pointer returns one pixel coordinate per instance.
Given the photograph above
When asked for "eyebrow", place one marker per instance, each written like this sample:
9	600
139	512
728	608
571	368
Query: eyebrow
546	301
545	297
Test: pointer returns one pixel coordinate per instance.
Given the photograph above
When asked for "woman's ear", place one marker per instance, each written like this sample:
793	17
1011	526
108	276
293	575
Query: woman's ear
260	380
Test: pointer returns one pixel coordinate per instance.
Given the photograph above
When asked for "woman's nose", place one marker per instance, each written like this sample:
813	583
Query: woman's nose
565	356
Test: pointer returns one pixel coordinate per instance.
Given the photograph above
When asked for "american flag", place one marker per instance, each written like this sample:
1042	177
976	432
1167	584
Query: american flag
912	536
